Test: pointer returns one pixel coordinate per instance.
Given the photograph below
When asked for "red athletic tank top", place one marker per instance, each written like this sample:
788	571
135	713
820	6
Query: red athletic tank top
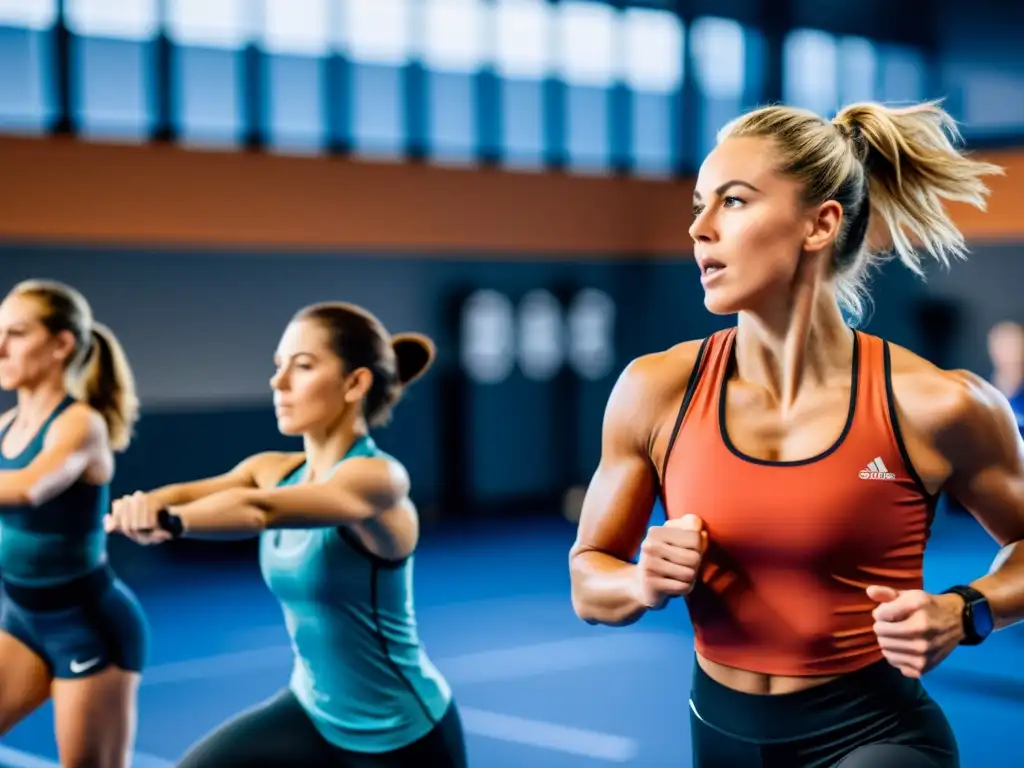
792	546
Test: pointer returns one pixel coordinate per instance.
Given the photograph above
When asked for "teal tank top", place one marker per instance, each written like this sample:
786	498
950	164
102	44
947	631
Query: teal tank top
360	671
61	539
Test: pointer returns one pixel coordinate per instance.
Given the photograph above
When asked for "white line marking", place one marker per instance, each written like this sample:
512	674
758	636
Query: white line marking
481	667
484	666
560	738
556	656
15	758
142	760
222	665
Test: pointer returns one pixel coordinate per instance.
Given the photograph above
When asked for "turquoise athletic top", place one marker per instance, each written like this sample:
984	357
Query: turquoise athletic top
360	671
61	539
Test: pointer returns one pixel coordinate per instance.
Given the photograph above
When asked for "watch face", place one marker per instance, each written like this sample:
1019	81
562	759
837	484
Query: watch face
981	617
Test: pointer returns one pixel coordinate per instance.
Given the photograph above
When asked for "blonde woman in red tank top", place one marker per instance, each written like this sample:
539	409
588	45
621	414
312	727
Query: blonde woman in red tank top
798	460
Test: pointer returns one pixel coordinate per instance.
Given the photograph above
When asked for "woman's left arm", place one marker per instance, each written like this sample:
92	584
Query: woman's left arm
986	453
359	490
970	425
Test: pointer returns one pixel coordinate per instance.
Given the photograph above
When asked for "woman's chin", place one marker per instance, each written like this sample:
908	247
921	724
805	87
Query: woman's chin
288	427
720	303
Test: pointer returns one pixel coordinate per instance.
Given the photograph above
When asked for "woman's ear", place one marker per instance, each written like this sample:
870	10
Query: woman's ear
825	227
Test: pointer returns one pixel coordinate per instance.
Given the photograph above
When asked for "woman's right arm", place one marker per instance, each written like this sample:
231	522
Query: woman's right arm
244	475
618	504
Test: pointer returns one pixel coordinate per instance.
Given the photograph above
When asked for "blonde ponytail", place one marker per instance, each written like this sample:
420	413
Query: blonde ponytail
912	166
885	165
107	384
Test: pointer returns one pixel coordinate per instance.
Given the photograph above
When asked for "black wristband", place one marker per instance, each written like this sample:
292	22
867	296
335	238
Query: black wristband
978	621
170	522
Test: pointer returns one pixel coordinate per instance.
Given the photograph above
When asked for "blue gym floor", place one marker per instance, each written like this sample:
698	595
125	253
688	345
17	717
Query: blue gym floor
536	686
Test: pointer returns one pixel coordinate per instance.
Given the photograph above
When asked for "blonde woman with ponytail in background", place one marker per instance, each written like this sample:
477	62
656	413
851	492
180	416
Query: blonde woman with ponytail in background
68	628
799	459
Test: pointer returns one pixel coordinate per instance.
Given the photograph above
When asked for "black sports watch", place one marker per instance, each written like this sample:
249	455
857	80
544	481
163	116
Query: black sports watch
977	615
170	522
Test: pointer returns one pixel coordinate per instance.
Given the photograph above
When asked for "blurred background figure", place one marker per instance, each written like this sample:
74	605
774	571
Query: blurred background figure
514	179
1006	348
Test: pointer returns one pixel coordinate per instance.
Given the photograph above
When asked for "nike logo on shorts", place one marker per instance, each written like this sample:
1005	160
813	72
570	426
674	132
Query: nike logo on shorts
78	667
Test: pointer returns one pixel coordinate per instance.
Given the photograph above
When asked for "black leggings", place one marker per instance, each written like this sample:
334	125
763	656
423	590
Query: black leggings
279	733
872	718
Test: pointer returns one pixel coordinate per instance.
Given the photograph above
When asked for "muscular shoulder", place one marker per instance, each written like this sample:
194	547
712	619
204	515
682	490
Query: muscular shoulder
664	374
649	385
948	406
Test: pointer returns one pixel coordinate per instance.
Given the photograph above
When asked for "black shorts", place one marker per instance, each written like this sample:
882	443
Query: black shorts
280	733
872	718
78	628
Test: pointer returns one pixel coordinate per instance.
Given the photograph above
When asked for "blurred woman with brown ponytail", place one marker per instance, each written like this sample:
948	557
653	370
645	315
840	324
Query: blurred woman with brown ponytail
799	459
68	628
338	532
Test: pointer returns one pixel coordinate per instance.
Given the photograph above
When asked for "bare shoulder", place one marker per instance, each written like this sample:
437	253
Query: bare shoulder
656	379
645	398
383	478
271	467
944	403
7	417
79	421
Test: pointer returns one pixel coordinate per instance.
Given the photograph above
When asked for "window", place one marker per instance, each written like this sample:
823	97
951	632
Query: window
135	20
207	68
378	40
296	27
36	15
522	39
858	70
993	101
112	75
719	48
296	37
26	47
809	71
587	43
653	48
454	48
219	24
902	74
523	31
653	55
589	63
454	35
718	54
378	31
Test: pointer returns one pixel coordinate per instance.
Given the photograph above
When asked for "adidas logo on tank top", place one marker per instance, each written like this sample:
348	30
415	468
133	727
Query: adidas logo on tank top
877	470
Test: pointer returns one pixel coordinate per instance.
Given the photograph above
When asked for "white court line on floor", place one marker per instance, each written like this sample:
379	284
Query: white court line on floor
495	665
15	758
484	666
513	663
559	738
479	722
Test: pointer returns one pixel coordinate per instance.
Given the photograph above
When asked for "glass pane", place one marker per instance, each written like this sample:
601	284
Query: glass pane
112	87
809	71
27	102
208	95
